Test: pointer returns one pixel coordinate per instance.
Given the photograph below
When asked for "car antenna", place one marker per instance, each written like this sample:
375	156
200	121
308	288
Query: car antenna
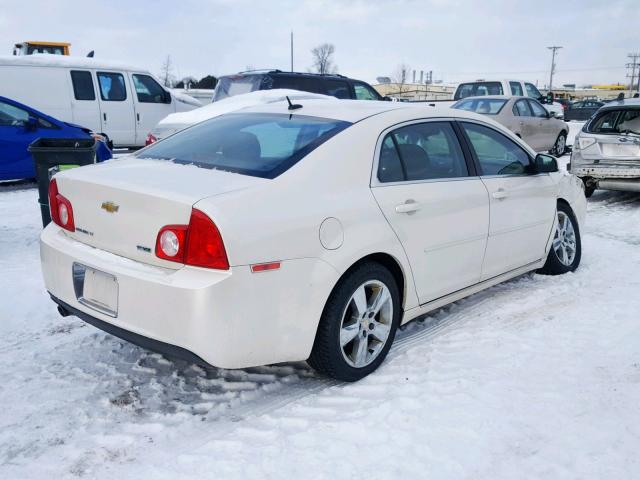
292	106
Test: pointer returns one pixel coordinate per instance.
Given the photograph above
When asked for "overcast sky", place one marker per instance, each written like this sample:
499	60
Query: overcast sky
457	39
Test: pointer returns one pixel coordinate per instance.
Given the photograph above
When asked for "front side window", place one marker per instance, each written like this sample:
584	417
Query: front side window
422	151
259	145
364	92
496	154
578	105
112	88
521	109
82	85
148	90
11	116
516	89
475	89
537	109
532	91
487	106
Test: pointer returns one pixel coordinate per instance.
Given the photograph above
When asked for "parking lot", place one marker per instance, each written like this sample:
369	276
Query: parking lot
536	377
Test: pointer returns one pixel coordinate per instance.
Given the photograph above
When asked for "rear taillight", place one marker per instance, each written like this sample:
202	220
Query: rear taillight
60	208
150	139
198	244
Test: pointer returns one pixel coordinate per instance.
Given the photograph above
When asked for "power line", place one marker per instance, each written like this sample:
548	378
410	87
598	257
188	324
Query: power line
634	63
553	49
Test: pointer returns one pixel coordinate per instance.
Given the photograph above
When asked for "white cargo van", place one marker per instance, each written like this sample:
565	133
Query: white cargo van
122	102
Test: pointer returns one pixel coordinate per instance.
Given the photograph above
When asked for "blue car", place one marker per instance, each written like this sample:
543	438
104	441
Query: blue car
20	125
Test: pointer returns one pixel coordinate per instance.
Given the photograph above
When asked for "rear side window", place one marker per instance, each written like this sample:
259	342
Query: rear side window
239	84
616	122
112	87
260	145
148	90
516	89
422	151
487	106
82	85
337	88
306	84
475	89
496	154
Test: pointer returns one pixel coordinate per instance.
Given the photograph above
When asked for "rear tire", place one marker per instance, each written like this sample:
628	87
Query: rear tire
358	324
566	250
589	188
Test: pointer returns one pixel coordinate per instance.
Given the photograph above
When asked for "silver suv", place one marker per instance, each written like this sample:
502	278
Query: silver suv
606	153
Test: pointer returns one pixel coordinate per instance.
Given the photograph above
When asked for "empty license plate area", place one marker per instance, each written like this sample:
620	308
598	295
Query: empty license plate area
96	289
614	150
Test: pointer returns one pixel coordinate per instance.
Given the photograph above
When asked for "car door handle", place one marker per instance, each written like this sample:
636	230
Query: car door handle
410	206
500	194
104	116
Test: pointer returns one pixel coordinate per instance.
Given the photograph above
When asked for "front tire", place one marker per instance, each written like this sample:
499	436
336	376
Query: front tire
566	250
358	324
560	147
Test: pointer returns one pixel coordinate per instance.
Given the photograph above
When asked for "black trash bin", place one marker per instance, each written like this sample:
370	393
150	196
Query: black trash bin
48	154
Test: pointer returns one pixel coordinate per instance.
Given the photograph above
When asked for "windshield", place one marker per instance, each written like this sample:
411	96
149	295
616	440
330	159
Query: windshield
256	144
476	89
236	85
616	122
487	106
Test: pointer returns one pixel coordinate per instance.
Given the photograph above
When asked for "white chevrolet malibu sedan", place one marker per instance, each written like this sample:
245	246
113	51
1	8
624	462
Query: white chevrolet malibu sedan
304	232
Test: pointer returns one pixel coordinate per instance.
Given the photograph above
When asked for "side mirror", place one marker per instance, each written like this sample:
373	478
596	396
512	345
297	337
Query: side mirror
31	124
387	98
167	96
552	114
542	99
545	163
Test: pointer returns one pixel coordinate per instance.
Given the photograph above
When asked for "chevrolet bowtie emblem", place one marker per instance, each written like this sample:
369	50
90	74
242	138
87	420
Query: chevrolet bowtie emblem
110	207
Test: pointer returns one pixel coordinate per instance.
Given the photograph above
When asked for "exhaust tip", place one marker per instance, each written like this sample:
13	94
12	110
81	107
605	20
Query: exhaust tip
63	311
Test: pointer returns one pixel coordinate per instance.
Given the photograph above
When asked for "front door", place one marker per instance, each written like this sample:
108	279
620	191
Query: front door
15	137
116	106
435	204
546	127
152	104
522	203
527	122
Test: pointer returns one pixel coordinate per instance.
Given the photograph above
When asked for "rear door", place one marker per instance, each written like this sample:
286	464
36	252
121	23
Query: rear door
437	206
337	88
116	107
84	101
152	104
522	203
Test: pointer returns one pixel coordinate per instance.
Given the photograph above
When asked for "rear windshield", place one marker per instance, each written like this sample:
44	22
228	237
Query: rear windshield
615	122
488	106
256	144
476	89
236	85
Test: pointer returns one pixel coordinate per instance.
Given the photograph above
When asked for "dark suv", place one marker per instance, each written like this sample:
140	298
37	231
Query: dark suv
335	85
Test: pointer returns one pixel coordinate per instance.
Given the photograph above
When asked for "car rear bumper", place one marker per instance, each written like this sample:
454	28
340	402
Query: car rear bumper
230	319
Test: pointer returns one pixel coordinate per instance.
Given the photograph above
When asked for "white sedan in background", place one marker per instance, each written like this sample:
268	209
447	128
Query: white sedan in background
304	232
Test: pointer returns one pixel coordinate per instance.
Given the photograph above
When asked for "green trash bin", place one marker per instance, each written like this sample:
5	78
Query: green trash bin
52	154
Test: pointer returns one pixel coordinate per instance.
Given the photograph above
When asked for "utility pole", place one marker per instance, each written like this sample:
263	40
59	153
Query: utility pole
292	51
553	49
633	65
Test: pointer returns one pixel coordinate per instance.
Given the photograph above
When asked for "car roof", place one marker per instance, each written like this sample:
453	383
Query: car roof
490	97
49	60
282	73
628	102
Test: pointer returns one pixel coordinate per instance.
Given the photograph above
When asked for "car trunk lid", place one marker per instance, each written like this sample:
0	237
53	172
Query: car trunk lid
121	205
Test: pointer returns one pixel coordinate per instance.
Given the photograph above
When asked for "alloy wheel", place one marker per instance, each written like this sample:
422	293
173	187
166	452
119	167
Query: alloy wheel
564	241
366	323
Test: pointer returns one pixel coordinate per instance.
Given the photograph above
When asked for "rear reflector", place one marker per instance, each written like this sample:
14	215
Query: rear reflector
264	267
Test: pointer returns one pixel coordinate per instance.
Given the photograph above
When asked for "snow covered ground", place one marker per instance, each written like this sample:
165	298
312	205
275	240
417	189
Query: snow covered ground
535	378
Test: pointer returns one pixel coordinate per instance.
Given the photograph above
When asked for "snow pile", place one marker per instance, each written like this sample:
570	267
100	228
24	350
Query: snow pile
535	378
178	121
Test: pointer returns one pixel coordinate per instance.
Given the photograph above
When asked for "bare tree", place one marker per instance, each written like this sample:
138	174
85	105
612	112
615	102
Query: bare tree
166	73
323	58
401	78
